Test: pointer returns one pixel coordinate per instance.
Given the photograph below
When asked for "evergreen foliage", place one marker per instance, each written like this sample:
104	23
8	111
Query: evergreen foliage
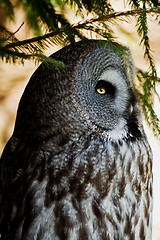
48	19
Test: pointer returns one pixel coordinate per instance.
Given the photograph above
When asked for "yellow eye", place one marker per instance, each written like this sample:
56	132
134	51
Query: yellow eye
105	88
101	90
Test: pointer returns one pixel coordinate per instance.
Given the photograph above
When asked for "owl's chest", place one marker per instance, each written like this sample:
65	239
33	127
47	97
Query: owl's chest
104	190
95	191
114	170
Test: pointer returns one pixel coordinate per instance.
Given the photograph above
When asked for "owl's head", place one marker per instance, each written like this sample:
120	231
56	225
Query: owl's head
94	92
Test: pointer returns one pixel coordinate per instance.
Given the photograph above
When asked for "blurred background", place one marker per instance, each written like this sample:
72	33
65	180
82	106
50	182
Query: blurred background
13	79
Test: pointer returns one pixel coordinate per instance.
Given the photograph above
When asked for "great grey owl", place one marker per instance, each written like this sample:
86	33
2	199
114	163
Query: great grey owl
78	165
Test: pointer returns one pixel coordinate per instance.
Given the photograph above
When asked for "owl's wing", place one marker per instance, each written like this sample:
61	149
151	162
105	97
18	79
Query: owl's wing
10	167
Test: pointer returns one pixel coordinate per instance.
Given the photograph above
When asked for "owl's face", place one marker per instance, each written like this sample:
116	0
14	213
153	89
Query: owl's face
103	89
93	92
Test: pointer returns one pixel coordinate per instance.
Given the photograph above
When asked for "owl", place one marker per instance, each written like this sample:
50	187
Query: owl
78	165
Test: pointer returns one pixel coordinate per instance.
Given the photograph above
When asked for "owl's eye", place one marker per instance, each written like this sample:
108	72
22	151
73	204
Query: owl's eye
104	87
101	90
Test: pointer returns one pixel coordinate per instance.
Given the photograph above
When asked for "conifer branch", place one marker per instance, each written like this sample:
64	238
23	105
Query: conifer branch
61	31
87	25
